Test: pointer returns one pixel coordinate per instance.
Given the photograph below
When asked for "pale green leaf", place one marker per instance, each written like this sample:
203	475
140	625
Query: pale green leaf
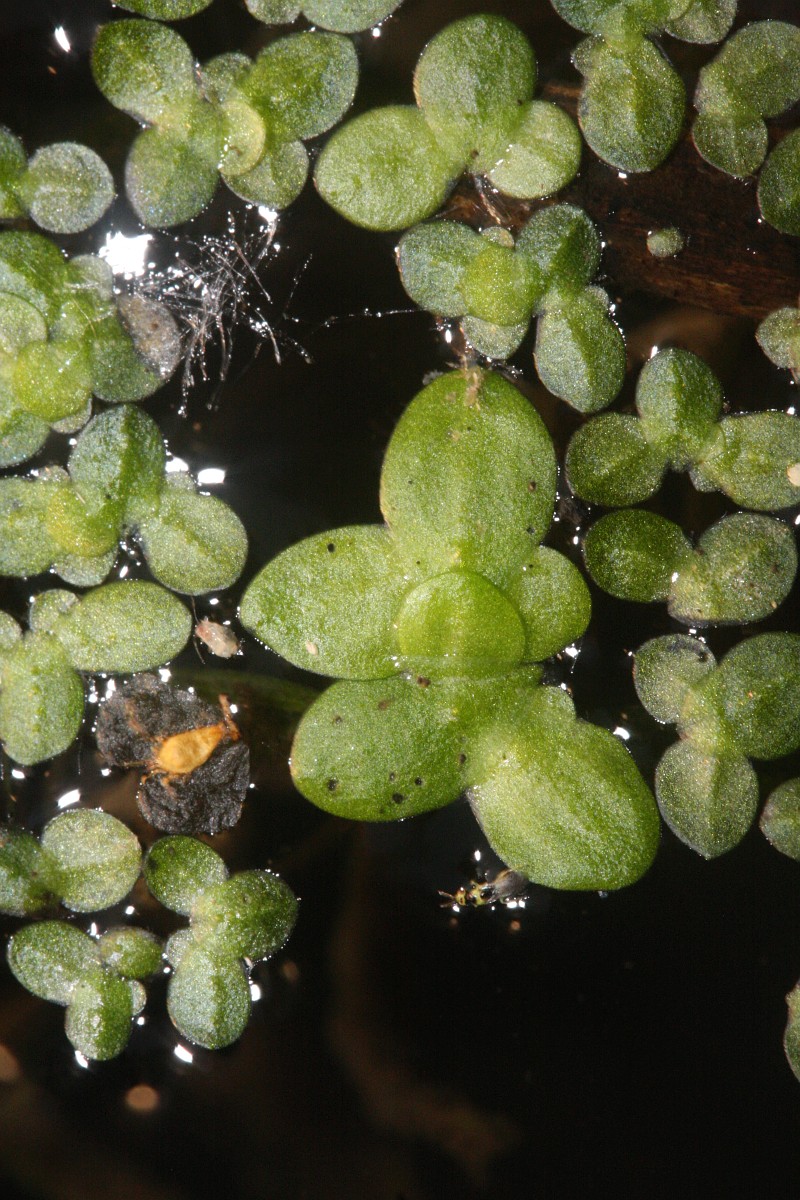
780	820
634	554
679	399
178	869
664	671
97	858
49	958
41	700
543	155
329	603
553	603
469	477
609	461
755	459
710	802
66	188
779	186
209	998
249	915
561	800
124	627
302	84
99	1015
144	68
742	569
432	259
384	170
580	352
193	543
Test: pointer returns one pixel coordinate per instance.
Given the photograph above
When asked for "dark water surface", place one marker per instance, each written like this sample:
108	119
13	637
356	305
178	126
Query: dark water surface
580	1046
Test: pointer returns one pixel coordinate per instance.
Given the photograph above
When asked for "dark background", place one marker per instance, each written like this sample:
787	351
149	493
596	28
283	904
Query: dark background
583	1045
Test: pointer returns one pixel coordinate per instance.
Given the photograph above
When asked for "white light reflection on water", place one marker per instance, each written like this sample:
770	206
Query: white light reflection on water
210	475
127	256
68	798
81	1060
183	1053
61	37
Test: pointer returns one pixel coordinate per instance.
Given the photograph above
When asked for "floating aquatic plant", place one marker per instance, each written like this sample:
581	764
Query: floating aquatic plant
620	459
242	120
66	337
746	707
495	284
665	243
755	75
119	628
778	336
473	84
632	102
116	482
86	859
248	915
96	980
64	187
434	623
342	16
780	819
741	569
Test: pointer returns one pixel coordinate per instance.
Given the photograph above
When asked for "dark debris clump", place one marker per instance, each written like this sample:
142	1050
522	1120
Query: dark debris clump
195	767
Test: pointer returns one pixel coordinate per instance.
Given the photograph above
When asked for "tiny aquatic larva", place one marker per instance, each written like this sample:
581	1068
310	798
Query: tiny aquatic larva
220	639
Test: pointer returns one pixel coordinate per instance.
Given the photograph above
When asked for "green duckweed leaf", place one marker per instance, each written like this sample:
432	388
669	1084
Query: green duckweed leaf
50	958
779	186
742	569
134	350
634	554
665	243
20	323
13	164
53	380
758	69
432	259
458	623
345	16
632	104
679	399
170	178
10	633
274	12
26	874
164	10
41	700
553	603
470	82
21	434
731	141
756	74
710	802
84	571
498	285
249	915
758	683
329	603
33	268
209	998
564	245
48	607
124	627
146	69
609	461
589	16
791	1037
780	820
130	952
66	188
384	170
665	669
121	454
493	341
193	543
99	1015
302	84
276	180
755	459
25	547
779	337
83	524
381	749
704	21
178	869
561	800
97	858
580	353
243	137
469	477
543	156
